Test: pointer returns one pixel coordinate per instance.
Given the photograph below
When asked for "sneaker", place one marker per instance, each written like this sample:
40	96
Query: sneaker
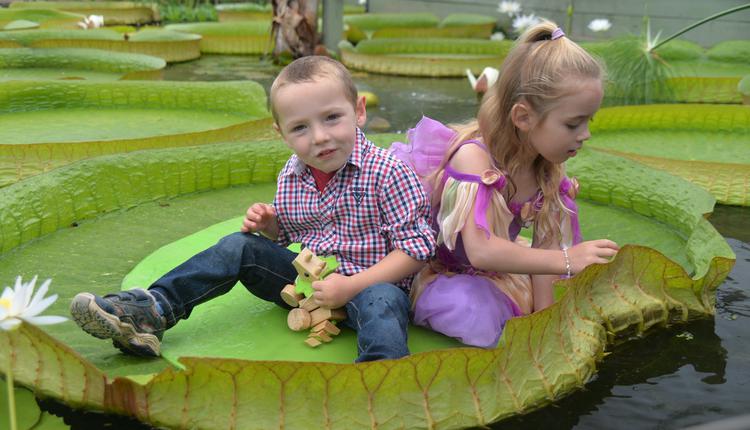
129	318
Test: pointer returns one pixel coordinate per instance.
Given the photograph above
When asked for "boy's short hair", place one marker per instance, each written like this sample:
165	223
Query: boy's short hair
309	69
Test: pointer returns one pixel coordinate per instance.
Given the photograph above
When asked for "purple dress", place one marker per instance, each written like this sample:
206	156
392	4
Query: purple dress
450	295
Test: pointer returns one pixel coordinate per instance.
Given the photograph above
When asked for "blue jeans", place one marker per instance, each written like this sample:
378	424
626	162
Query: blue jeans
379	313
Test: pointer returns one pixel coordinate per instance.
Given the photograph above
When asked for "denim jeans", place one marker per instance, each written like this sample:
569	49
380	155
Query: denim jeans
379	313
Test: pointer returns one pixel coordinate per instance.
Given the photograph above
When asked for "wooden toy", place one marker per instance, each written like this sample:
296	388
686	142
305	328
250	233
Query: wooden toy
306	314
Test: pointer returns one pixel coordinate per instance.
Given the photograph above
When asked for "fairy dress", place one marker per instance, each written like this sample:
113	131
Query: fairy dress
450	295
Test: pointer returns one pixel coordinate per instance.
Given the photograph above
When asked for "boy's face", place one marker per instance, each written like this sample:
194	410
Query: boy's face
318	122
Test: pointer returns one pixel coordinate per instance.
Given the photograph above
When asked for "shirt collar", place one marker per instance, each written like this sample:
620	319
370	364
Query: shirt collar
356	158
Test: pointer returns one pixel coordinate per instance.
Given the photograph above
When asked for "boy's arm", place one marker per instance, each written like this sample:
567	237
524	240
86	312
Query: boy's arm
336	290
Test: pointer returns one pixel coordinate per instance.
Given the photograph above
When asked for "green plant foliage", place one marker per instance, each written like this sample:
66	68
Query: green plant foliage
244	12
376	21
236	37
708	145
87	119
461	19
114	12
46	18
731	51
20	24
176	13
541	357
636	76
169	45
703	90
424	57
680	50
69	61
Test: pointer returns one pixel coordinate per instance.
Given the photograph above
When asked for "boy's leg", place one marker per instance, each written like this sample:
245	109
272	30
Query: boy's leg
135	320
380	315
263	267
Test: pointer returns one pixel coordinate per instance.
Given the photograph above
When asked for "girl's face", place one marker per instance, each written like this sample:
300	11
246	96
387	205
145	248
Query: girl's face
560	135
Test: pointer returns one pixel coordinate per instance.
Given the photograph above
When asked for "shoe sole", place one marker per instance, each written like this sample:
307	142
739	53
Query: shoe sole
101	324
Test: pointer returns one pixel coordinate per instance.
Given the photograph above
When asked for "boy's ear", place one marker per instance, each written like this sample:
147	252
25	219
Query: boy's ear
360	111
522	116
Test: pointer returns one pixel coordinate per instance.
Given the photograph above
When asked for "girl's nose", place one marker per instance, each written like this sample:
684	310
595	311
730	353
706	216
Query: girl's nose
585	135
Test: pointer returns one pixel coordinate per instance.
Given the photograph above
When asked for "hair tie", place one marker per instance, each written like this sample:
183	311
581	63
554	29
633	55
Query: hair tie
558	33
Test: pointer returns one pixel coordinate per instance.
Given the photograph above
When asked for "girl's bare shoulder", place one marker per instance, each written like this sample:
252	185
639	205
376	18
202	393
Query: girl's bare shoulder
472	159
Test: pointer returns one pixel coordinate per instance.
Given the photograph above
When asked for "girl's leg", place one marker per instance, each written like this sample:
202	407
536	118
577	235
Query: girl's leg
469	308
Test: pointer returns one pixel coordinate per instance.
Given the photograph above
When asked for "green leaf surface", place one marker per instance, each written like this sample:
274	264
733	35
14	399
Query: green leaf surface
86	119
541	357
114	12
47	18
171	46
78	59
424	57
706	144
731	51
236	37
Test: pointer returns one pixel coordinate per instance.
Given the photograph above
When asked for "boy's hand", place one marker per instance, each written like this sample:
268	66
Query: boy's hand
332	292
258	218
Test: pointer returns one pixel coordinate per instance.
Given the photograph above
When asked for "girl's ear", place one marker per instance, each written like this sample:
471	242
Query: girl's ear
521	116
276	127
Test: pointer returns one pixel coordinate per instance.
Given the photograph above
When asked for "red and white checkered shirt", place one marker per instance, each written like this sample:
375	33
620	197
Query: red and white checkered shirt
372	206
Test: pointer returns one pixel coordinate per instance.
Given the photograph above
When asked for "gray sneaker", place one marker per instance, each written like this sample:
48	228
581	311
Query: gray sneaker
129	318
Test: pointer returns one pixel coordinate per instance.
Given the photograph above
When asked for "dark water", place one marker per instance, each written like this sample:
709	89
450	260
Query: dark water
670	379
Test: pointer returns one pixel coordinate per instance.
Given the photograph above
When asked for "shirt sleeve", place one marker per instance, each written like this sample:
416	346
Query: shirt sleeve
405	211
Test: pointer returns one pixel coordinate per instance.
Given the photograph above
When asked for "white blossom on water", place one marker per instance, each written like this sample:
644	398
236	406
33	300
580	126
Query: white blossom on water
19	304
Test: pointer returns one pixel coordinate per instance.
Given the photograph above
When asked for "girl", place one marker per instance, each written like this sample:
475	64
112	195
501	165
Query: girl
500	173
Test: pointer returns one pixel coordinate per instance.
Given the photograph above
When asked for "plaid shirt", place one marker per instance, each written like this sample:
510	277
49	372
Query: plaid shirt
372	206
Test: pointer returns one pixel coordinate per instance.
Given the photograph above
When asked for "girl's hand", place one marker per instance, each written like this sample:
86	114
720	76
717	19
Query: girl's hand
258	217
332	292
590	252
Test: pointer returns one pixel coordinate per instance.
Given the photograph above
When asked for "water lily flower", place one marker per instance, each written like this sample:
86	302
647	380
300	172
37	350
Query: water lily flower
17	304
485	80
509	7
497	36
523	22
92	21
599	24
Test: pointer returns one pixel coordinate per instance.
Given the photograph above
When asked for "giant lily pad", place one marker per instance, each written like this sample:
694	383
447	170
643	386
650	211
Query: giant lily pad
86	119
244	12
114	12
72	63
46	18
541	357
424	57
169	45
705	144
247	37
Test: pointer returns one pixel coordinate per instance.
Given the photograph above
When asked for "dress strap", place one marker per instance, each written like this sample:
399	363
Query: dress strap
489	180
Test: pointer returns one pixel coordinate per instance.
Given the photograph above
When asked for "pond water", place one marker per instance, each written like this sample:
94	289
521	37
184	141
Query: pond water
671	378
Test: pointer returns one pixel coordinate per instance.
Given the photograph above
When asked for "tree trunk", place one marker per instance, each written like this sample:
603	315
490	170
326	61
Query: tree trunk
295	27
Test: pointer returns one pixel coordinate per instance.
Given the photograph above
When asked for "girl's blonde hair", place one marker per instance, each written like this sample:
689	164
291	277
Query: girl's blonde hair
538	71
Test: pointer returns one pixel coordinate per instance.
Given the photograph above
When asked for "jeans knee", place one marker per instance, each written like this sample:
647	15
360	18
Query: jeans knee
380	298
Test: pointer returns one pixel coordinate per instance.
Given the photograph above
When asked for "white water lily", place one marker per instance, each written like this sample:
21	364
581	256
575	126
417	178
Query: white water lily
497	36
522	22
509	7
92	21
599	24
486	79
17	304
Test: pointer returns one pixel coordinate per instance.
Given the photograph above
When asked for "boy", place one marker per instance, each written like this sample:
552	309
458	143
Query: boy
337	195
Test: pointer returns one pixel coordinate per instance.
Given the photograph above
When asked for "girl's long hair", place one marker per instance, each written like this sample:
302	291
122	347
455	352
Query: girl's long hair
538	71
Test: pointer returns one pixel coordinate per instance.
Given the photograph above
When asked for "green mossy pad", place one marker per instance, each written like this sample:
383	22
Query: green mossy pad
46	18
72	63
705	144
114	12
